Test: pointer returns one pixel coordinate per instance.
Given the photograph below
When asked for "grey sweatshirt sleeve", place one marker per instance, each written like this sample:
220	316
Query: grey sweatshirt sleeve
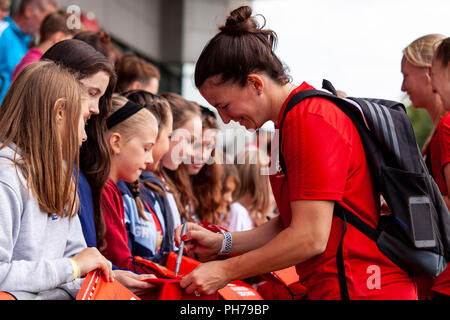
75	244
30	273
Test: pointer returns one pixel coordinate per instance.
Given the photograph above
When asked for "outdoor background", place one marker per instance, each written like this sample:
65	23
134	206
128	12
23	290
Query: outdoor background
356	44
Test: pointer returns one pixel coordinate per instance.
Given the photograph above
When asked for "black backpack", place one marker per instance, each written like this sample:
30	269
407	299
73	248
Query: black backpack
416	236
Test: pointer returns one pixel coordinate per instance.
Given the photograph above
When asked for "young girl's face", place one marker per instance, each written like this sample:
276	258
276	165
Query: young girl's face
134	156
161	145
85	114
227	196
181	148
96	86
202	151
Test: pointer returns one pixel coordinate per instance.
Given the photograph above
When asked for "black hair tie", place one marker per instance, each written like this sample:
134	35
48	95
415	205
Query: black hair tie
122	114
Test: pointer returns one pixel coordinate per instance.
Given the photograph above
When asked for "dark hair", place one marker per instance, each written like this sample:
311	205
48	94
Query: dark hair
39	4
82	59
182	109
207	184
101	41
443	52
239	49
131	68
178	181
53	23
157	105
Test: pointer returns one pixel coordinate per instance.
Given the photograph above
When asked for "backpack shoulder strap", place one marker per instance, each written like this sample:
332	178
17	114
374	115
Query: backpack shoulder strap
352	112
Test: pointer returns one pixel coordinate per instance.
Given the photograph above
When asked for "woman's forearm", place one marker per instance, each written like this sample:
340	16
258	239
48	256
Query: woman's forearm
305	238
284	251
246	241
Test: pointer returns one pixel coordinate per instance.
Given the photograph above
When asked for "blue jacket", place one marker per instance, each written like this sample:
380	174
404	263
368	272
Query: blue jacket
86	211
142	234
13	46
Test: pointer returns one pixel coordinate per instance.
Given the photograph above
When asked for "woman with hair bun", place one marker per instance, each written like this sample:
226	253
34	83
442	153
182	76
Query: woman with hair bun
239	74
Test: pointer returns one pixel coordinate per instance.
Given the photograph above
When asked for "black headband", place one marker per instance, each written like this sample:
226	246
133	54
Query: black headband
129	109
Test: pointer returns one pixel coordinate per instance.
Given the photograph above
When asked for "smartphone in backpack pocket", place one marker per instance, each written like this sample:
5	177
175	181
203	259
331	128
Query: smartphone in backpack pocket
420	212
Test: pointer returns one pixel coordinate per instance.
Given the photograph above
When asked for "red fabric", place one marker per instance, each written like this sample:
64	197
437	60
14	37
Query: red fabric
170	289
117	250
96	288
5	296
33	55
440	152
440	158
325	160
280	285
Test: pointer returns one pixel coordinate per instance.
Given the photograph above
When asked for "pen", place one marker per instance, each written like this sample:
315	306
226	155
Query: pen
180	252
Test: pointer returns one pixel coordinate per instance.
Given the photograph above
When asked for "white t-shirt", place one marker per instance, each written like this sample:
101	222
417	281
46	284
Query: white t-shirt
239	218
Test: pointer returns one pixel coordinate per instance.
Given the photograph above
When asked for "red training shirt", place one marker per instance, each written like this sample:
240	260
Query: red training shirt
440	158
325	160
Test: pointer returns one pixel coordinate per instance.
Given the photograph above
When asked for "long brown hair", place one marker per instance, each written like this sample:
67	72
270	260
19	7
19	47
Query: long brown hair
254	187
84	61
207	184
28	120
178	182
240	48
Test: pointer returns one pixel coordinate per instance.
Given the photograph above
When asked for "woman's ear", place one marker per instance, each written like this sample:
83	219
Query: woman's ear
257	82
60	111
428	75
115	143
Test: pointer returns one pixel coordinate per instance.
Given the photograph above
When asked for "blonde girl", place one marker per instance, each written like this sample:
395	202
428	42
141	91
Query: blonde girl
42	247
415	65
131	135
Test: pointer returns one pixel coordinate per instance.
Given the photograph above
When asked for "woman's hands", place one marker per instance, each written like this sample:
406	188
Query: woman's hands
207	278
200	241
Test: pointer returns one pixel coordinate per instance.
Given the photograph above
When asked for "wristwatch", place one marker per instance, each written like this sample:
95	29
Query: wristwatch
226	243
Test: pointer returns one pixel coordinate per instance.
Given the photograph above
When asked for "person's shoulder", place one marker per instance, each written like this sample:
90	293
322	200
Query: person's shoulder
238	208
110	188
446	120
318	106
4	26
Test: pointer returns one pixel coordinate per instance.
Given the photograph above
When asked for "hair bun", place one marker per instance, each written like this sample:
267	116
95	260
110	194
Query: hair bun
240	20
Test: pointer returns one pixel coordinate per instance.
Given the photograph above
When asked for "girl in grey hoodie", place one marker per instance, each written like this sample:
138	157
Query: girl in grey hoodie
42	247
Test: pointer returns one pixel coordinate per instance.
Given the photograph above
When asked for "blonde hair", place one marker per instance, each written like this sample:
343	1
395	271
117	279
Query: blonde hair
28	120
421	51
134	124
254	184
127	130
